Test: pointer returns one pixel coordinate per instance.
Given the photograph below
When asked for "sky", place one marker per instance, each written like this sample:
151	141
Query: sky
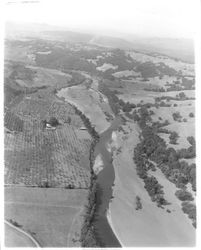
158	18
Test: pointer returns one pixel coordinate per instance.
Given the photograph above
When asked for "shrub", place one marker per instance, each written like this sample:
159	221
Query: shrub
191	114
182	96
190	209
173	137
138	203
53	121
176	116
191	140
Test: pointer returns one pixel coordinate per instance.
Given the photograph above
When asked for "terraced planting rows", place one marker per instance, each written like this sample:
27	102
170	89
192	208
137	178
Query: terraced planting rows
34	108
13	122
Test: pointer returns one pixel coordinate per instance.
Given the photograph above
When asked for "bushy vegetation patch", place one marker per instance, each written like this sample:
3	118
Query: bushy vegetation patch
88	237
173	137
184	195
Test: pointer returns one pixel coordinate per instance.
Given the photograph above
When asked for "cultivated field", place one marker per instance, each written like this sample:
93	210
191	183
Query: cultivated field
35	156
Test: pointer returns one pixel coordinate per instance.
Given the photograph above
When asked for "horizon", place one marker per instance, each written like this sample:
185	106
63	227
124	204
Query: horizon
128	18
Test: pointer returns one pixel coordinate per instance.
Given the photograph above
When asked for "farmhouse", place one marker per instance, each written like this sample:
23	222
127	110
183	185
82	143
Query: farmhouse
49	126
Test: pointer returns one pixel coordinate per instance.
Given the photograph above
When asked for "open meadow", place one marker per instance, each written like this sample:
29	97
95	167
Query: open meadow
52	216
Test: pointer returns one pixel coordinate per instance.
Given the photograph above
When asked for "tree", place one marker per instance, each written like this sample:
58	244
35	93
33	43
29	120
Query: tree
53	121
138	203
183	195
176	116
191	114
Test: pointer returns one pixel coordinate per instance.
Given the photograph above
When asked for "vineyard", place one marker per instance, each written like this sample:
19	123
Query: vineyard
35	156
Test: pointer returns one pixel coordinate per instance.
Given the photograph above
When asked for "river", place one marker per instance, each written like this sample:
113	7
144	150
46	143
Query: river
105	180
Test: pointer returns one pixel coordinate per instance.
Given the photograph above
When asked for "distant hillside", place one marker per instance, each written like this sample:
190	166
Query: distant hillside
112	42
68	36
182	49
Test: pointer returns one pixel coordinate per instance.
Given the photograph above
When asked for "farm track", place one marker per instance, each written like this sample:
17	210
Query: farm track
71	227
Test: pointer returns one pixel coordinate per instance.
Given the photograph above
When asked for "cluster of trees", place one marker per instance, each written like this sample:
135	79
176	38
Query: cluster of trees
163	104
112	98
116	104
161	89
65	59
174	87
149	69
180	97
150	142
188	84
88	237
159	125
119	58
187	153
154	148
154	189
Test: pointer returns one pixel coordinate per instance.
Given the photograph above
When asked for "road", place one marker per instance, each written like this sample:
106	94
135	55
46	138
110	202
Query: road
16	237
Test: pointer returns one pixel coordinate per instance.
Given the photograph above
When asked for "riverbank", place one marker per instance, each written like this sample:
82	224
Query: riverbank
150	225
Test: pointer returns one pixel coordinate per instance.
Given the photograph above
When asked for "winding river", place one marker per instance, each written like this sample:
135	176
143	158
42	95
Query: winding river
105	180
